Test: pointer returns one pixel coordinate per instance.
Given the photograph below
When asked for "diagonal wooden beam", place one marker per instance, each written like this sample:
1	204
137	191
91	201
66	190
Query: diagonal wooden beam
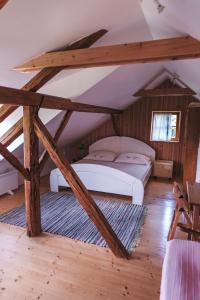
40	79
143	52
172	92
5	111
44	157
14	161
3	3
80	190
115	123
12	133
25	98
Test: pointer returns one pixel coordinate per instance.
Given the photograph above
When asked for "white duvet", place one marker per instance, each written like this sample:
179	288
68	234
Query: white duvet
139	171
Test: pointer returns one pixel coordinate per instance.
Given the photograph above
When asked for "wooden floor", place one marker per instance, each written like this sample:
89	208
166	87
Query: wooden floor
52	267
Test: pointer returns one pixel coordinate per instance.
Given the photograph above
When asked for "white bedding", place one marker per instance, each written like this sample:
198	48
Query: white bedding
141	172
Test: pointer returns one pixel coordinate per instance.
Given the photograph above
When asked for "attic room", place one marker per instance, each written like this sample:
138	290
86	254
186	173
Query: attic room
99	149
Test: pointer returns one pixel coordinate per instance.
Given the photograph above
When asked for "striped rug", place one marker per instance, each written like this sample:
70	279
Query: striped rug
62	214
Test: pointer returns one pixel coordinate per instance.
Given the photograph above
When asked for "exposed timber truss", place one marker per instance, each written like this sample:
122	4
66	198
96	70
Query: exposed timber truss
34	130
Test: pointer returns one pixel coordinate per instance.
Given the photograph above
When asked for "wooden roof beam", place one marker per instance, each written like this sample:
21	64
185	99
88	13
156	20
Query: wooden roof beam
14	161
12	133
164	92
143	52
3	3
46	74
25	98
65	120
80	191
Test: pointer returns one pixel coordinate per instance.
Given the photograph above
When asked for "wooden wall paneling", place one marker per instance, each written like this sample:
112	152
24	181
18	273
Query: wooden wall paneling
31	163
192	135
135	122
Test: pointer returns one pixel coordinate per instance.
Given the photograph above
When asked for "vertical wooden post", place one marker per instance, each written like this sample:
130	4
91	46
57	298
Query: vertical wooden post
31	162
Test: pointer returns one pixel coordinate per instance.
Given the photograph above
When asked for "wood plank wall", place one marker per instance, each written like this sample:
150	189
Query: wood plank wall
136	122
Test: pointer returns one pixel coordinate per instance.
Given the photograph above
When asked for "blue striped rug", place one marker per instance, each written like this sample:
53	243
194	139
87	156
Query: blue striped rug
62	214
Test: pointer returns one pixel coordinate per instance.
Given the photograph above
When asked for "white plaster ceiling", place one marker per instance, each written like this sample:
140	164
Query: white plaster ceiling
31	27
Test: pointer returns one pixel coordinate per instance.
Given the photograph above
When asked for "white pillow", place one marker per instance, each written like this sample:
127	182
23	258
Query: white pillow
101	155
133	158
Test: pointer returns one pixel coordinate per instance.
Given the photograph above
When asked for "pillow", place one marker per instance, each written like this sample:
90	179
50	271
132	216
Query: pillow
133	158
101	155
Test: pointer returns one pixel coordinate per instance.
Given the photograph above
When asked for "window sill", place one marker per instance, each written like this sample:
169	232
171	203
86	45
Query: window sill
164	141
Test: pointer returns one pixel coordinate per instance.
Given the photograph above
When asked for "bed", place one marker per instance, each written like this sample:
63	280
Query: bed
109	176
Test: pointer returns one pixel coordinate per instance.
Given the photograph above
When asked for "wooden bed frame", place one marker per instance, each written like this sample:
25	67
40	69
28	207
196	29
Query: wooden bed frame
106	179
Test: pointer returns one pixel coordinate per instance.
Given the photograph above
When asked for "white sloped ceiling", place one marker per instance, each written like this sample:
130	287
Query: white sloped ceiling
31	27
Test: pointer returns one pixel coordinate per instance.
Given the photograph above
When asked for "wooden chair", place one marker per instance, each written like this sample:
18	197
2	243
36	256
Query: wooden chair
190	231
182	209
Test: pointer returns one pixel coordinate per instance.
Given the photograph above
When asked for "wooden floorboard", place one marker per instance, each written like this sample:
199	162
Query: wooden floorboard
53	267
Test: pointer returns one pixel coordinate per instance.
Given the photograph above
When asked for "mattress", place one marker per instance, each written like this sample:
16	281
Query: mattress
142	172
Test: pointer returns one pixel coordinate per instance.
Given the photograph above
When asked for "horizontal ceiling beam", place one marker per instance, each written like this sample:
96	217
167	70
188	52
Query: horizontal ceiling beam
164	92
194	104
46	74
25	98
143	52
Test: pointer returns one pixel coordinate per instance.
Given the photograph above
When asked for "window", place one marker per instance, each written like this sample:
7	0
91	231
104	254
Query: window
165	126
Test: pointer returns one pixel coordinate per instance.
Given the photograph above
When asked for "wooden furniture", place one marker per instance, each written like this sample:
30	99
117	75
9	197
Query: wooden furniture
193	190
182	208
112	177
163	168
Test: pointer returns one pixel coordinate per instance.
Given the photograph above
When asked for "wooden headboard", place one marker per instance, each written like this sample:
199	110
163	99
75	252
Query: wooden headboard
121	144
